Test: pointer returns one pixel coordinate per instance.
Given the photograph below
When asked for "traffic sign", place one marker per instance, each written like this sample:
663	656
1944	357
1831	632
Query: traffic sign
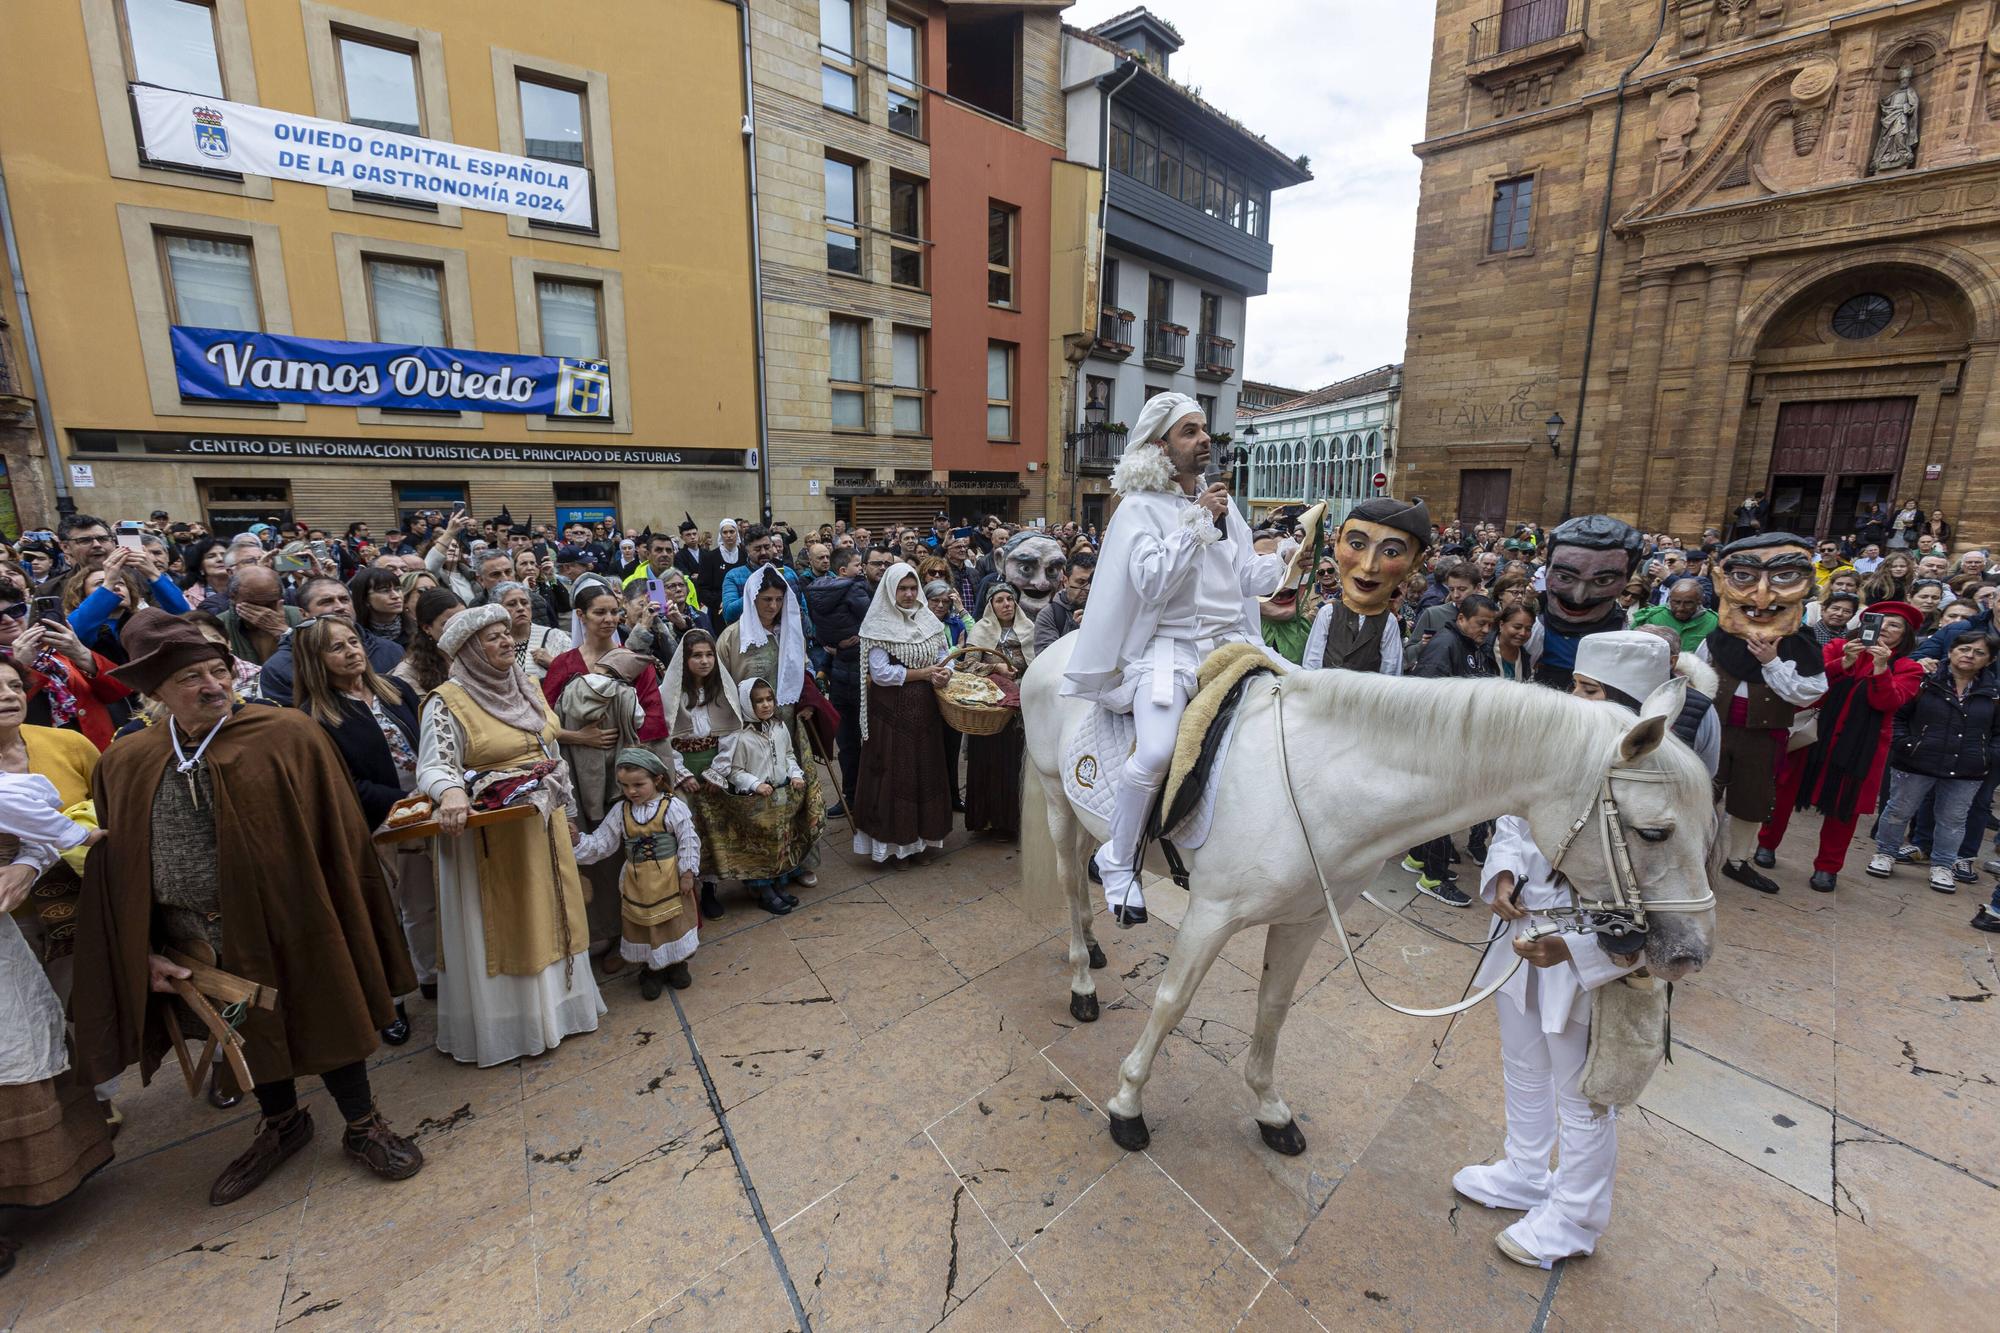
1381	480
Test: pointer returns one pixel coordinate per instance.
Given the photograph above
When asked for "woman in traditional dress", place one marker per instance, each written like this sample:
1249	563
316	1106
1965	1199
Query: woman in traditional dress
768	642
591	748
902	806
47	913
511	929
993	763
53	1132
702	701
373	722
535	645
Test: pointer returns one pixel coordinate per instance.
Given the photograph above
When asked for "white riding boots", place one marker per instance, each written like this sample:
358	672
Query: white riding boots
1156	725
1569	1208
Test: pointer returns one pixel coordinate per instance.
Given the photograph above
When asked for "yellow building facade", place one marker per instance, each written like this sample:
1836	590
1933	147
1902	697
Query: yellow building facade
115	246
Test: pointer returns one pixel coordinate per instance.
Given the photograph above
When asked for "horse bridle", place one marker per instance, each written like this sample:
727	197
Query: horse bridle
1628	901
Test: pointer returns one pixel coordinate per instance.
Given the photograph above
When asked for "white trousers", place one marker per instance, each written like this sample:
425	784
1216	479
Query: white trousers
1568	1208
1145	772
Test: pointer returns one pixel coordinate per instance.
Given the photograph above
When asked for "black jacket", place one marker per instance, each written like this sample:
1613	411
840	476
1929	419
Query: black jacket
708	582
1450	653
1940	735
838	606
362	745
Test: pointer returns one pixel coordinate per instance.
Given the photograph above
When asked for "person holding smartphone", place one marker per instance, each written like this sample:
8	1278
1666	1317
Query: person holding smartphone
1942	746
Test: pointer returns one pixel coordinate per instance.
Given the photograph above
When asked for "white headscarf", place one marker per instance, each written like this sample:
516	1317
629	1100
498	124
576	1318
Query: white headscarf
791	636
725	542
748	710
912	638
1143	466
576	592
672	691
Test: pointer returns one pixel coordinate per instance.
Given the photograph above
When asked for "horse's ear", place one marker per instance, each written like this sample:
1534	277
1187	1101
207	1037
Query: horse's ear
1661	706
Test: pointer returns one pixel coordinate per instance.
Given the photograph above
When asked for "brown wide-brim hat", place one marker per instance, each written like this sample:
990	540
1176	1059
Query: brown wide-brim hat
161	644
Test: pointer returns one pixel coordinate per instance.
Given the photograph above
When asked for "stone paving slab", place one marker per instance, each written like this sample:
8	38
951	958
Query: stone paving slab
878	1113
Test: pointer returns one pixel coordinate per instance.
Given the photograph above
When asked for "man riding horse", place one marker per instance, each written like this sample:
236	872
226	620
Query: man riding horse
1177	579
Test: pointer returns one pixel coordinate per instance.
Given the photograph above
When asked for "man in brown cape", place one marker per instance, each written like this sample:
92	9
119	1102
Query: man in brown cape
239	838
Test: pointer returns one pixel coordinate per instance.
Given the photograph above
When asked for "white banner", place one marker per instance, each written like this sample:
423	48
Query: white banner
257	141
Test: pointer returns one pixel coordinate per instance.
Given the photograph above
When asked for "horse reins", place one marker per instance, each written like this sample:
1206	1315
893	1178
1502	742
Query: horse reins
1628	899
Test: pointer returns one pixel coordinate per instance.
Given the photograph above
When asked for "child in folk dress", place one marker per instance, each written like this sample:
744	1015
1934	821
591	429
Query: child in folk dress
662	857
760	761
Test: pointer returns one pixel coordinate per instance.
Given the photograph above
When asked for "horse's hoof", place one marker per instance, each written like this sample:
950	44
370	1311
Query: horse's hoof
1286	1138
1131	1135
1097	959
1083	1008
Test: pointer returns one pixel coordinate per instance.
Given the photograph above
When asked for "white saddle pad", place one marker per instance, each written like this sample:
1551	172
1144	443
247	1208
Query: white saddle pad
1096	759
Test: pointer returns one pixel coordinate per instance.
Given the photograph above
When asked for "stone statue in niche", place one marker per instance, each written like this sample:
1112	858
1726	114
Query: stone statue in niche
1896	149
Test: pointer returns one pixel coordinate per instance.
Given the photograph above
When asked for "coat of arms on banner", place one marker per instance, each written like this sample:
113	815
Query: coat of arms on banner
583	388
210	138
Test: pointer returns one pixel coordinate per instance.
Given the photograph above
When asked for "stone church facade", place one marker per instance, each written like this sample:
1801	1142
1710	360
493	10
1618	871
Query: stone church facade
1792	286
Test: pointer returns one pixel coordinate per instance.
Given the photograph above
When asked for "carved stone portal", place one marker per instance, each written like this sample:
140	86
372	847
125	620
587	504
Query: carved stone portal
1896	148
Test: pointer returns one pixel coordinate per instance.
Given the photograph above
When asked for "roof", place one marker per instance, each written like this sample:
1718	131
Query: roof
1358	386
1285	166
1142	19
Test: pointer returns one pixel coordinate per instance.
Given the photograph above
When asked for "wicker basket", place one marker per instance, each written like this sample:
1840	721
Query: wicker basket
975	719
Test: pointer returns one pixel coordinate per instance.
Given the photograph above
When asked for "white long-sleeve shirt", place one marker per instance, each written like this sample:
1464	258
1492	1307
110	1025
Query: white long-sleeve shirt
608	838
1560	993
30	812
1783	678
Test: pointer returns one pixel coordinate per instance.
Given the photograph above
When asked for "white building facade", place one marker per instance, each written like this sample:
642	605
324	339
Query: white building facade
1329	445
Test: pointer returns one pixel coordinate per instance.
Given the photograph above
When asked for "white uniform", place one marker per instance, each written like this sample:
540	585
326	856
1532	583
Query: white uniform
1172	586
1544	1015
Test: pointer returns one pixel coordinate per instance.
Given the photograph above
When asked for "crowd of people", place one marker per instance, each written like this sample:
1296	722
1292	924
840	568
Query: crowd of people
675	713
660	716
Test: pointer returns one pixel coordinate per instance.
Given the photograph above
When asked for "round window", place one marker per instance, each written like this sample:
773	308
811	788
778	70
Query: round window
1863	316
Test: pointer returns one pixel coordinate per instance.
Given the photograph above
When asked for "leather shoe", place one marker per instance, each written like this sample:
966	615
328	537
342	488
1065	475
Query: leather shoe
1741	872
220	1097
1823	881
773	902
276	1140
397	1032
1765	857
677	975
649	984
711	909
382	1150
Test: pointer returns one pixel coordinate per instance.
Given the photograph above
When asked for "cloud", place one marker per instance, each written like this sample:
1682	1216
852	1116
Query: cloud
1344	82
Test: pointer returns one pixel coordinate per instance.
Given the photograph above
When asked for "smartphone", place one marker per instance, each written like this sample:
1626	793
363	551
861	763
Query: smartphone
656	593
129	536
319	549
1871	628
48	608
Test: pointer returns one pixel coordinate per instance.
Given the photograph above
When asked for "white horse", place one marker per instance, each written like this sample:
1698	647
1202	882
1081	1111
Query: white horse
1376	765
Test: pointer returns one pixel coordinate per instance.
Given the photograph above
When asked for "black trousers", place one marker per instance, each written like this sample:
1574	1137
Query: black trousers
848	741
348	1086
953	740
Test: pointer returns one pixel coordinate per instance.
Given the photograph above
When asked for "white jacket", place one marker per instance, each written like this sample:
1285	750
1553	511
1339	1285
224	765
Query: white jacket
1560	994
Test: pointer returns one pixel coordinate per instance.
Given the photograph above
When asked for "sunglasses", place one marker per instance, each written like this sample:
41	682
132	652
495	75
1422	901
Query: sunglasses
13	611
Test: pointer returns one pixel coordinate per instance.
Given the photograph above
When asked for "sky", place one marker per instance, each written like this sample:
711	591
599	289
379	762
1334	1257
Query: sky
1342	81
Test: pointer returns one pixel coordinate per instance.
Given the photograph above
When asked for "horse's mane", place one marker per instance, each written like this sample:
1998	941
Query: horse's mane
1448	718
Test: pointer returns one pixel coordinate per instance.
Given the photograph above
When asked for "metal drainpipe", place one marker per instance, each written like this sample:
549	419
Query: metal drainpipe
756	263
65	504
1597	277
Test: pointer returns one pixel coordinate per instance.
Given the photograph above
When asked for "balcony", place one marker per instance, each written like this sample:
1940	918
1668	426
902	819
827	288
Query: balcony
1526	38
1098	447
1114	333
1166	345
1214	358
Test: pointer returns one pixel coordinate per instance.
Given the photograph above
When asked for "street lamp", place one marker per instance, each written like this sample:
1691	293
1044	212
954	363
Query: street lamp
1555	427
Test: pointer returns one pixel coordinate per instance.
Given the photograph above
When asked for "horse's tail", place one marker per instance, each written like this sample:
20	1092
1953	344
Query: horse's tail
1043	890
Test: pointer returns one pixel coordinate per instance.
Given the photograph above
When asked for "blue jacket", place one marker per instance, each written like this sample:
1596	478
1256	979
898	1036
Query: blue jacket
1938	644
100	611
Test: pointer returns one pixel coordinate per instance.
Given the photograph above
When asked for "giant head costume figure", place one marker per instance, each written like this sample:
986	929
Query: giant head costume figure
1762	583
1376	547
1590	560
1033	562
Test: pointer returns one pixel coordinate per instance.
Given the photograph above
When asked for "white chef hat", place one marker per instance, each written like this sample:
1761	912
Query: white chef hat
1158	416
1631	662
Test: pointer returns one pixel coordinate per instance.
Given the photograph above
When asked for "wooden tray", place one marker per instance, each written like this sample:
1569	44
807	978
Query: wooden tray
477	819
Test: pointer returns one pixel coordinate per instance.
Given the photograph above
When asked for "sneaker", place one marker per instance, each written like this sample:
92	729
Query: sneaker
1987	919
1881	865
1962	871
1942	880
1911	854
1443	890
1992	866
1413	865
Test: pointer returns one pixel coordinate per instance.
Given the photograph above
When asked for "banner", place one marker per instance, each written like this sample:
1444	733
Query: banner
208	132
230	365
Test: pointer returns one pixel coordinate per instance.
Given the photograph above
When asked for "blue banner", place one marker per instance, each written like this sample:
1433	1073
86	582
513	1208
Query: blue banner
229	365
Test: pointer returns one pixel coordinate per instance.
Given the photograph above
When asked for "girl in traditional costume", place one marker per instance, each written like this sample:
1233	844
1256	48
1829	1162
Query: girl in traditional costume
701	703
902	805
993	763
763	765
768	642
656	890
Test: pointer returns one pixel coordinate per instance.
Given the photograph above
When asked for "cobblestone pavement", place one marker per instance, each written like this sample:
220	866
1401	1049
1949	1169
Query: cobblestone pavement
893	1072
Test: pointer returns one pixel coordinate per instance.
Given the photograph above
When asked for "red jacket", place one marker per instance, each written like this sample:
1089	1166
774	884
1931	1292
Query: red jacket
94	696
1885	694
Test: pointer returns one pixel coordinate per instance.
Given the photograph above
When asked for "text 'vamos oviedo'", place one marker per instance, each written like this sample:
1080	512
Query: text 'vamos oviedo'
242	366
